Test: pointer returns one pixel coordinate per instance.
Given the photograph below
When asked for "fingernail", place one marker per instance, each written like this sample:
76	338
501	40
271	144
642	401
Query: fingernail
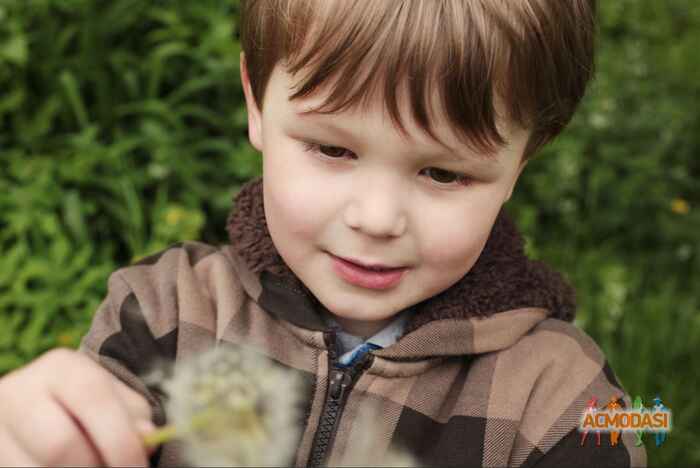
145	426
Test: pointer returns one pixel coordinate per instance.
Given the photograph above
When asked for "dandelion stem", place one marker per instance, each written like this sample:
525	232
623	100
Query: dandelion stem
159	436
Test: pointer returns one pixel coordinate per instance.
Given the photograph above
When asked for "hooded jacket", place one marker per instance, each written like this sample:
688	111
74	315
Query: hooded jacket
490	372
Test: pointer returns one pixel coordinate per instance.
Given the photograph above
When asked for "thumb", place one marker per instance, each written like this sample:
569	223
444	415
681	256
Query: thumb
145	427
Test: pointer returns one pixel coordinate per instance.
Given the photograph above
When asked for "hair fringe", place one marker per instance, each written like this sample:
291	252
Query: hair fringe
522	62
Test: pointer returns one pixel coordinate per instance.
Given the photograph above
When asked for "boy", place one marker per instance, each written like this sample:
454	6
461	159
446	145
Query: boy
374	256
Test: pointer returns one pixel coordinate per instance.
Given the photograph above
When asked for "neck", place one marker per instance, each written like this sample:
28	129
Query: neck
360	328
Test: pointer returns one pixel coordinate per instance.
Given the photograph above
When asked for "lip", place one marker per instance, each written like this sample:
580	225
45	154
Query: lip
368	264
360	276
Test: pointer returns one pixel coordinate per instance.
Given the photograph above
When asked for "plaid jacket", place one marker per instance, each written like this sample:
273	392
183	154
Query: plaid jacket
490	372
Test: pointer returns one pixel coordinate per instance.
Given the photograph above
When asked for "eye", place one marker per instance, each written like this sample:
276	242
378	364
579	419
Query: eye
333	152
439	176
445	177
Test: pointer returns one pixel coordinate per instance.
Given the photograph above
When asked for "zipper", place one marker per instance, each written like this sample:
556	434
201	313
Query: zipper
341	381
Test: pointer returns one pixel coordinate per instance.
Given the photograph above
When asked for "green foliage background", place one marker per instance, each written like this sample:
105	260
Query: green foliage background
122	130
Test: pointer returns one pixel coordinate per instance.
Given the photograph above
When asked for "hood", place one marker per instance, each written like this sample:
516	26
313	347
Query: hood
501	298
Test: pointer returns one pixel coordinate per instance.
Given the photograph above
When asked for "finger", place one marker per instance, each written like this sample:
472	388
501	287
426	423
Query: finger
136	403
13	454
94	403
139	409
137	406
65	444
144	428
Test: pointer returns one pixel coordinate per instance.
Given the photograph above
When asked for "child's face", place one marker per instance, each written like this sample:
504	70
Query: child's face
375	197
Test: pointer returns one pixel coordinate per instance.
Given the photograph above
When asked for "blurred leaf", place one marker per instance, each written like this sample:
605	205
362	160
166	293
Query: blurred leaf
72	91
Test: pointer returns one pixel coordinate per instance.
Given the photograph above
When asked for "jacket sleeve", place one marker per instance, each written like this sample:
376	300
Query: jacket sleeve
571	452
568	371
123	341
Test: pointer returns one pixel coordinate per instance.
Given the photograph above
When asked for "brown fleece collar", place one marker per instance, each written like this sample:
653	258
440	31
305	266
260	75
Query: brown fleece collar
502	278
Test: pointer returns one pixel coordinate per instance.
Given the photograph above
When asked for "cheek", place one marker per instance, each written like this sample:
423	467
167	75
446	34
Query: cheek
295	201
455	242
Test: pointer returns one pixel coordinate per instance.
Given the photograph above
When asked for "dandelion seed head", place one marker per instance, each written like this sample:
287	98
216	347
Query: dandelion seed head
234	408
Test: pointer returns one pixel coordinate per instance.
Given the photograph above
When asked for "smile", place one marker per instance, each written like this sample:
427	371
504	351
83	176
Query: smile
367	278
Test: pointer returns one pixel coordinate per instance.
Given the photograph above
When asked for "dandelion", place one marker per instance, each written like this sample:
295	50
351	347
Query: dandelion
230	407
174	215
680	206
65	339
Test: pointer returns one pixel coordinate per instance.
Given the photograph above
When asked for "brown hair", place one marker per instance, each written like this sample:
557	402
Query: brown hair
533	56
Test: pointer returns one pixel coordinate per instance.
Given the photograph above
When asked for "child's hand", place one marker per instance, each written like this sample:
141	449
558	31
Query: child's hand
63	409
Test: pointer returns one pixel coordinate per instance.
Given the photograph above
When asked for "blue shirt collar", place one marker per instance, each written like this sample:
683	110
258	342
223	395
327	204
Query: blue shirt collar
383	338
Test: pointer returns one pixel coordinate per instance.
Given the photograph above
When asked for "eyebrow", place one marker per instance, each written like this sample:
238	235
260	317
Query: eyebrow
482	158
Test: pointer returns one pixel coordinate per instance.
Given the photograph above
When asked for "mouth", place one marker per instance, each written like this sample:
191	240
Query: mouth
373	276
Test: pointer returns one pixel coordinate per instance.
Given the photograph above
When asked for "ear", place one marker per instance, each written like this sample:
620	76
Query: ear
254	114
515	180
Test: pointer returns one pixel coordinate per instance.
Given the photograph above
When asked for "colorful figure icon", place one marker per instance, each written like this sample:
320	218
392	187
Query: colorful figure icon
639	406
660	436
591	407
612	406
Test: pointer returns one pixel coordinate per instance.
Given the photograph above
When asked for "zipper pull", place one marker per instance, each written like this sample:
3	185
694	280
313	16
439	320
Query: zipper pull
340	381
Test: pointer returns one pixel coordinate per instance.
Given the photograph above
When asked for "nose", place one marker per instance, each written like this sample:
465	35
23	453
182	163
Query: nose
377	209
